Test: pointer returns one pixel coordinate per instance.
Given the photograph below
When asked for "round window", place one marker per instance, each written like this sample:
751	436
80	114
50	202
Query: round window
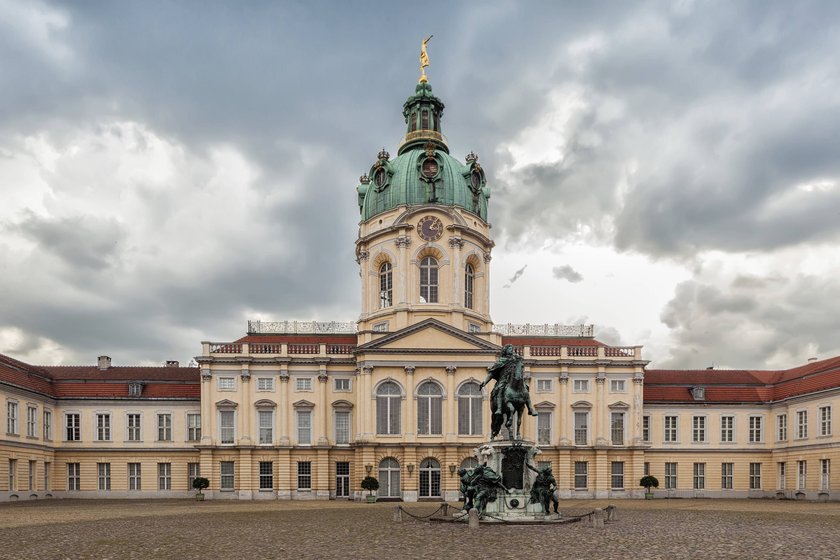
430	168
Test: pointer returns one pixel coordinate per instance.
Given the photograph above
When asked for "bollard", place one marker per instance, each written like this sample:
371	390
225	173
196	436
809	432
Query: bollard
611	513
398	514
473	518
596	518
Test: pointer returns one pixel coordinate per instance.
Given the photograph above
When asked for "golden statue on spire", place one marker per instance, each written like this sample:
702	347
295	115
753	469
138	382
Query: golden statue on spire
424	60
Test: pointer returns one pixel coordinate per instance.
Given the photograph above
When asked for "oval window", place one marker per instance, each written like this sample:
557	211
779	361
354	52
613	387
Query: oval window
379	177
430	168
475	180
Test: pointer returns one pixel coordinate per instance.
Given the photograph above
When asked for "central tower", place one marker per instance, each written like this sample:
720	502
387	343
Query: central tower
424	241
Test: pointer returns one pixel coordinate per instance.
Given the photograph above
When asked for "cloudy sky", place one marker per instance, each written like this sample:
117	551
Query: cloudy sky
668	171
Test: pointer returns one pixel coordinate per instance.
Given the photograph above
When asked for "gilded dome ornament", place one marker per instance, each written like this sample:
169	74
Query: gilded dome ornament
424	60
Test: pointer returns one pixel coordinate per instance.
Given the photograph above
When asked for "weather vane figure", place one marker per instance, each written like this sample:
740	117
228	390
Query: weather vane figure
424	60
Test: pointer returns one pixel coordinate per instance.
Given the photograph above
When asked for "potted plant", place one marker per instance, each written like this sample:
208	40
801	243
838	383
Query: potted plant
647	482
200	483
370	484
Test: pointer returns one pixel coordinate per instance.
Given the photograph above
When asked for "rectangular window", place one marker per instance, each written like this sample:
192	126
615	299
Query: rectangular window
266	424
543	427
543	385
164	422
802	424
103	427
581	435
825	474
755	476
72	423
132	423
727	429
755	429
47	470
134	476
474	328
617	428
580	386
31	421
670	476
12	418
699	476
227	475
193	427
265	383
617	385
825	420
227	383
381	327
74	477
581	475
781	427
104	476
802	472
303	384
726	470
670	429
646	428
782	476
698	432
193	472
266	475
304	475
341	385
32	467
226	426
646	470
304	427
342	427
617	475
12	475
47	425
164	476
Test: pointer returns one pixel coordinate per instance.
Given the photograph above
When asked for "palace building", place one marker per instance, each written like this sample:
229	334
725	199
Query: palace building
305	410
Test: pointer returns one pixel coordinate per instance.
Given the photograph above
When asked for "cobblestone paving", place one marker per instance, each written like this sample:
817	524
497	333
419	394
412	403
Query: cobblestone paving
183	530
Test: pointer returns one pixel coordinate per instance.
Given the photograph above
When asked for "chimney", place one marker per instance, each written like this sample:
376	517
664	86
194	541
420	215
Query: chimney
171	363
104	362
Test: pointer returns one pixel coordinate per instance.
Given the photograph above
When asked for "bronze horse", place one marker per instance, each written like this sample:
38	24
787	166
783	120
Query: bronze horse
510	395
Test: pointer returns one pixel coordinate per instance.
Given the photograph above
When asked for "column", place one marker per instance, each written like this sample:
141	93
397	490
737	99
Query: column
322	407
284	407
635	420
362	259
246	412
409	432
451	420
207	407
366	423
599	408
401	281
455	243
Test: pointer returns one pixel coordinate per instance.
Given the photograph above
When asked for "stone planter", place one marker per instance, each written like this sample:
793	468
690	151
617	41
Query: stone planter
648	495
371	499
199	497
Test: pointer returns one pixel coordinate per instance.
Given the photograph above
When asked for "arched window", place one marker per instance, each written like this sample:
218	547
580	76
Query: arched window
429	478
469	410
389	478
386	286
388	401
469	284
429	280
429	409
469	463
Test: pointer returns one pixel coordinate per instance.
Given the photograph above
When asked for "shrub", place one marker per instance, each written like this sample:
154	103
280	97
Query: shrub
200	483
648	482
370	484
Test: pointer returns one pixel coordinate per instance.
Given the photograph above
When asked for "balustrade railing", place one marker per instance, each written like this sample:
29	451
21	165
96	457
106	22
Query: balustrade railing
303	348
264	348
583	351
225	347
340	348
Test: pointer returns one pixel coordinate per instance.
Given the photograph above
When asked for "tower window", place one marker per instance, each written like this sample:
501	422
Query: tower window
424	120
469	282
429	280
386	286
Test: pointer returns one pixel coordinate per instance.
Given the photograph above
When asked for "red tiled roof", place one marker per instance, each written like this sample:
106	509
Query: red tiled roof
71	389
126	373
22	375
550	341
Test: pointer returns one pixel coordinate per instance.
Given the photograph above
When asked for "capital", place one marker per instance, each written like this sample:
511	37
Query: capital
409	370
403	241
450	370
367	370
487	257
456	241
205	374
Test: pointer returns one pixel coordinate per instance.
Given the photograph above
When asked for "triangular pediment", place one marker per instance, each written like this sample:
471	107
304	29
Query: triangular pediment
303	403
226	403
430	335
619	404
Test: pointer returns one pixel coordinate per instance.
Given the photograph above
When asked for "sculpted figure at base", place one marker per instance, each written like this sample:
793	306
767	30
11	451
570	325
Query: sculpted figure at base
510	394
543	489
479	486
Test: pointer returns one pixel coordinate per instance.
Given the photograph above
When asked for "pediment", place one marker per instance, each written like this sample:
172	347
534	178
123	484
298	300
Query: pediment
265	403
619	404
430	335
303	403
226	403
581	404
545	404
341	403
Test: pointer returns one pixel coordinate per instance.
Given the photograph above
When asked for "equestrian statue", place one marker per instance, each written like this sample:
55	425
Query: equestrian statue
510	394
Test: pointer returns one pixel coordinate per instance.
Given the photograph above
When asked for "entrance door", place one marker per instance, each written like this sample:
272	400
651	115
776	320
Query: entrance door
342	479
429	479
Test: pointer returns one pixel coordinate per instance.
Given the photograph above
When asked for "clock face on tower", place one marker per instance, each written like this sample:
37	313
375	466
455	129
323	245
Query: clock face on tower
430	228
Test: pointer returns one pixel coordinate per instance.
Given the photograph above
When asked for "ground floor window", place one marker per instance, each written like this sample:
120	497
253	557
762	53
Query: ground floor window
32	467
266	475
726	470
755	476
617	475
802	468
47	467
581	475
134	476
429	478
193	472
699	476
104	473
389	478
782	476
825	473
73	476
164	476
670	476
227	472
304	475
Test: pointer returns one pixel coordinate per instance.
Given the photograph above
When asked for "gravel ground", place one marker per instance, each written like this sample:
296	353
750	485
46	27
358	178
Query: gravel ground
183	529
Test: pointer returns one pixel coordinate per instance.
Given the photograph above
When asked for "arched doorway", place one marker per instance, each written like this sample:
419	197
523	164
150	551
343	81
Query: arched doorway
389	478
429	478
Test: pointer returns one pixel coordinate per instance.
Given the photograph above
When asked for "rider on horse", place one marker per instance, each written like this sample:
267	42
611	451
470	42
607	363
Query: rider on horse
507	368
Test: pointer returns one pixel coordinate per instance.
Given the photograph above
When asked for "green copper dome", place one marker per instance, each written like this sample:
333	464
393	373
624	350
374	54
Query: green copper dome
423	171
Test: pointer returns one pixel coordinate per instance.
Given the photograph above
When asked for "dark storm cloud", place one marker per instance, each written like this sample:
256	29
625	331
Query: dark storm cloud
566	272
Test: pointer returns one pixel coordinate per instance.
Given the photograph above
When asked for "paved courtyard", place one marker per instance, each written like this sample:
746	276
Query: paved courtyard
184	529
